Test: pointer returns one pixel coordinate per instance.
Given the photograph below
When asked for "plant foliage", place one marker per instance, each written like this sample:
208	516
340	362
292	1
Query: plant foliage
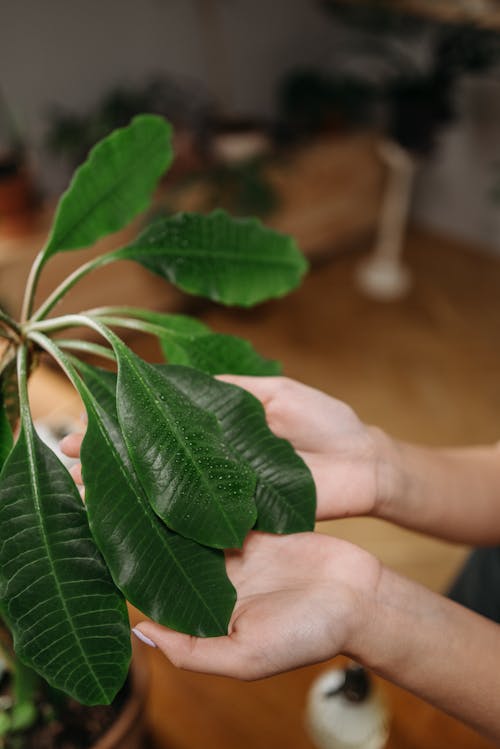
177	466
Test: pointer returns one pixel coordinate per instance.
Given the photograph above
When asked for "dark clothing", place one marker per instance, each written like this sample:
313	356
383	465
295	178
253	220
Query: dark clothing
478	584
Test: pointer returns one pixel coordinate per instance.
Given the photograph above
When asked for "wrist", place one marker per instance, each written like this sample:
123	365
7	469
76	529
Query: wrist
389	475
352	577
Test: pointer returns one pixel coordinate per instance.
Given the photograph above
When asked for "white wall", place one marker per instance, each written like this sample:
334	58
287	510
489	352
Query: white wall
70	52
454	190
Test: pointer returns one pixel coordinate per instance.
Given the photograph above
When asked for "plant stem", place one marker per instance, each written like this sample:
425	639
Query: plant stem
131	324
70	281
5	334
10	322
6	358
53	350
116	310
69	321
87	347
22	380
31	285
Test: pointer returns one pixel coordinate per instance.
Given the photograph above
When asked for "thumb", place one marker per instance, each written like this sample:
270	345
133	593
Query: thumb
222	656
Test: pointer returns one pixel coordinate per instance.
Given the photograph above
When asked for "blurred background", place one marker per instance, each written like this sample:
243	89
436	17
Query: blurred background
368	130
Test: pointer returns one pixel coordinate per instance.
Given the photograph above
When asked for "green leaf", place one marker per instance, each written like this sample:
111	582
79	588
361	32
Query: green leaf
183	464
25	687
185	340
217	353
68	620
113	185
233	261
173	580
6	440
285	492
10	394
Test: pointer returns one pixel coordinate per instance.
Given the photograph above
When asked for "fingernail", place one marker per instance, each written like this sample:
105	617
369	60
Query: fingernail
140	636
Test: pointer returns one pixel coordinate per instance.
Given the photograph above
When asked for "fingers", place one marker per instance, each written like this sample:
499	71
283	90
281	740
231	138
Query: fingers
76	473
211	655
71	444
263	388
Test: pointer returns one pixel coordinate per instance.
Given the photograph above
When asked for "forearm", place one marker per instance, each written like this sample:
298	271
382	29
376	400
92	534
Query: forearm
452	493
434	648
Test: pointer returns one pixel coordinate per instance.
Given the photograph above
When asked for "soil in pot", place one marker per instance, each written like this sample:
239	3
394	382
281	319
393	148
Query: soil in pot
70	725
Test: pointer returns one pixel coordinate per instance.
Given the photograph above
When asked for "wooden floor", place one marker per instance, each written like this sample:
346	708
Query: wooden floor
427	369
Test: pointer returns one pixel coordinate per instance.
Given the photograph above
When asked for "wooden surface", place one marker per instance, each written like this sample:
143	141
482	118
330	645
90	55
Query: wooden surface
328	189
329	195
427	369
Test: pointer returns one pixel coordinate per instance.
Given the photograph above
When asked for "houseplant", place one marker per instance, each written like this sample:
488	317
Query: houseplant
177	466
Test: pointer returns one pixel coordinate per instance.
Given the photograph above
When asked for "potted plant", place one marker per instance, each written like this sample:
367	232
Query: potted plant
178	466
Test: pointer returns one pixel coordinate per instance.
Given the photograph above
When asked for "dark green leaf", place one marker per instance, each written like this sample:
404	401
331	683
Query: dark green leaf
10	394
6	440
174	580
217	353
68	620
113	185
233	261
185	340
181	460
285	493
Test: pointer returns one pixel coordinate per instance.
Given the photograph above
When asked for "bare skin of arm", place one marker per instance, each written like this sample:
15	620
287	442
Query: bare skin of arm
305	598
451	493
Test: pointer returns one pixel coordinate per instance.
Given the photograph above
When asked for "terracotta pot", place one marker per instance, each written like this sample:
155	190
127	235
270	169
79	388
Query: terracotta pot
17	194
129	730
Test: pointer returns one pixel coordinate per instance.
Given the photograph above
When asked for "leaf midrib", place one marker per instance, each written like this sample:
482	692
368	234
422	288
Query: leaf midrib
99	199
288	262
144	501
30	443
189	454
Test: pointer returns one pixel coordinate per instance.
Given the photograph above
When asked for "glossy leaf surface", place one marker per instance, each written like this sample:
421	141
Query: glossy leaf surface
190	477
113	185
68	620
285	492
233	261
185	340
174	580
217	353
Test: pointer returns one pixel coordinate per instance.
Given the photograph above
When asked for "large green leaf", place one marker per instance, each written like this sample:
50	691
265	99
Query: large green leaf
185	340
190	477
285	493
233	261
6	439
113	185
175	581
68	620
217	353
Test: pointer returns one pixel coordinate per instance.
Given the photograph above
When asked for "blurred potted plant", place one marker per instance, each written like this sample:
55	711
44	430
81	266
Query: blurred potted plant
70	135
177	466
17	190
409	97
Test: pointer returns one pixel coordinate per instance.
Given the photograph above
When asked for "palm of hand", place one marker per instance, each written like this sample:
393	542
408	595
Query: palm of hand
296	605
337	447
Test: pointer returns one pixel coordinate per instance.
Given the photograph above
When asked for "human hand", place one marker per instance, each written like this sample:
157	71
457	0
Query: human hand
346	458
70	446
301	600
